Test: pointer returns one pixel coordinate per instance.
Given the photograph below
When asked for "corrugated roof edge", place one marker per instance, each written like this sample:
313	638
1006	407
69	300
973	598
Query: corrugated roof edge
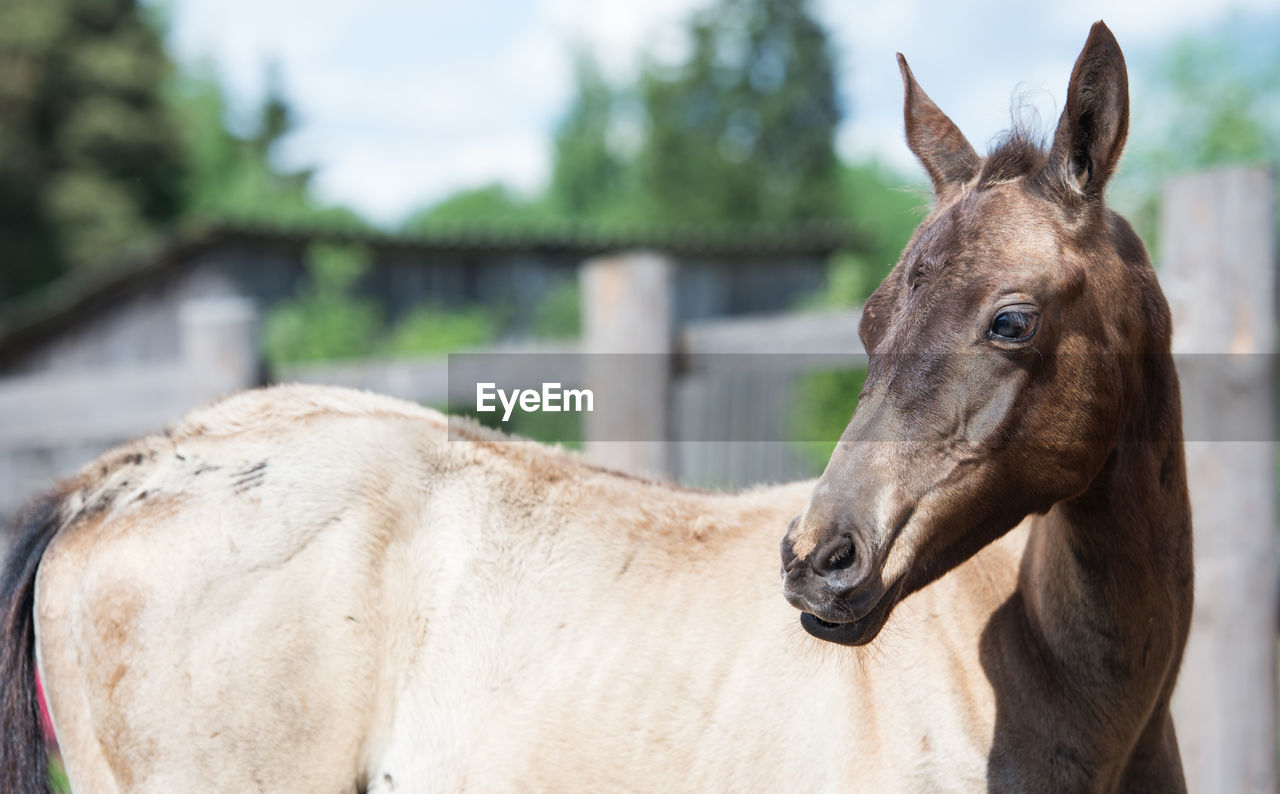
728	239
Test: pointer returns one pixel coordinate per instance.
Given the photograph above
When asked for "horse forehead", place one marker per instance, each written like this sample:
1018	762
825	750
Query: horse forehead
1006	226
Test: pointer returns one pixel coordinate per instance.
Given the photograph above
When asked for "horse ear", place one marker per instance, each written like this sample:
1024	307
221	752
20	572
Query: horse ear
933	138
1095	121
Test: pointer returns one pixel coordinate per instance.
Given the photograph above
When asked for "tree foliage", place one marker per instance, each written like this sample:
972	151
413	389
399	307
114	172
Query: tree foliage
90	157
437	329
1224	101
328	319
1210	98
745	130
887	210
588	175
559	314
104	145
489	204
238	175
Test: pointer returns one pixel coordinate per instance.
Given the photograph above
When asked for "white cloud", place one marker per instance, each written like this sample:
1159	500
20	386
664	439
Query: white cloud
388	177
403	101
619	32
977	60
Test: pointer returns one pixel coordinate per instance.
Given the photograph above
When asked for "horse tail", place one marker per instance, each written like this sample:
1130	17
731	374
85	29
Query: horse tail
23	754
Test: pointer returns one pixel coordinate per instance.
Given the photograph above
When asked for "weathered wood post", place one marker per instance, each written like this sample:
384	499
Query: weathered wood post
627	316
219	346
1217	240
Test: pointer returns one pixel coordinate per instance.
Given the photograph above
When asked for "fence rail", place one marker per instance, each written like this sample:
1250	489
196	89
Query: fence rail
831	334
91	407
426	379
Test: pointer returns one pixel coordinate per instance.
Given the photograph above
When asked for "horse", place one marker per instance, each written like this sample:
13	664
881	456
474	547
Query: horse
989	587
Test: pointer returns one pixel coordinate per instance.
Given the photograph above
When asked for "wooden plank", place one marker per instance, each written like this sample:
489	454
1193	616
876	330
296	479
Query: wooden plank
1217	235
436	380
740	374
778	343
628	310
219	346
87	406
55	421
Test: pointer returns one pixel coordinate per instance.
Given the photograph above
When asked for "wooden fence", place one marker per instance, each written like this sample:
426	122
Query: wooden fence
1218	239
709	403
52	423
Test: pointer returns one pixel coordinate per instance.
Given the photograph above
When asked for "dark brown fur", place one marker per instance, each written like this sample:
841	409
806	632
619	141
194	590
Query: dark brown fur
1075	428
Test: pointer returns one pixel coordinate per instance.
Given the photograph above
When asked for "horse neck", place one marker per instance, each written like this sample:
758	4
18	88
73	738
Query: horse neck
1107	576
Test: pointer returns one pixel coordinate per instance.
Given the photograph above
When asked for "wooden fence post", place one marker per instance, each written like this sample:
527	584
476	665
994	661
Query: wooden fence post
219	346
1217	238
627	309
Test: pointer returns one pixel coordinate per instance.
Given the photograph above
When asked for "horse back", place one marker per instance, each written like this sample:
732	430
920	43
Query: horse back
211	608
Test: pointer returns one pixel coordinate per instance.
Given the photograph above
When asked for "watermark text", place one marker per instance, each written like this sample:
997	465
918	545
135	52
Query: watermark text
551	398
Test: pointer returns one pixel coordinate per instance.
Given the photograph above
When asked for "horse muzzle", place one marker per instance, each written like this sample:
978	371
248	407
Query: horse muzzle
838	589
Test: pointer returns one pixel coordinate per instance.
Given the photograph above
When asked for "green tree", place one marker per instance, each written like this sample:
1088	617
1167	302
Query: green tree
887	209
558	314
1210	98
325	320
435	329
745	129
90	159
588	176
494	203
234	176
329	320
824	404
1225	101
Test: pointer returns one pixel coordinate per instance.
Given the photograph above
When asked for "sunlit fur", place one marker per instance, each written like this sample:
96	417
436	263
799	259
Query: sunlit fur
309	589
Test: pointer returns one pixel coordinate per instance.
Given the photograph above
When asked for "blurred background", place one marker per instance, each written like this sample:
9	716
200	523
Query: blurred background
408	179
198	196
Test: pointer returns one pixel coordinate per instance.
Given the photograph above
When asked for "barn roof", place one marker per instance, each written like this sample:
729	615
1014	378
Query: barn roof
28	321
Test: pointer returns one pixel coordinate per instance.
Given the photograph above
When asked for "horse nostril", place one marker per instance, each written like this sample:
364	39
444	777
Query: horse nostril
842	556
789	558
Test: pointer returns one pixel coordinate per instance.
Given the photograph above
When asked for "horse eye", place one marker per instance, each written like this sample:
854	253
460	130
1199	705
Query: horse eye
1014	326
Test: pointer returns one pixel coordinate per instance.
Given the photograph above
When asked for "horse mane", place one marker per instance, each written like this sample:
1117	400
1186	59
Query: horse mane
1018	152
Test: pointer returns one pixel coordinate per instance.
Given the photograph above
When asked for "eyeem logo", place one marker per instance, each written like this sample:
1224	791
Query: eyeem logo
552	399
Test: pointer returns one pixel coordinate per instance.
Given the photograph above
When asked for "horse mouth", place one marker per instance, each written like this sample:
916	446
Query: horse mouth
844	634
857	632
852	632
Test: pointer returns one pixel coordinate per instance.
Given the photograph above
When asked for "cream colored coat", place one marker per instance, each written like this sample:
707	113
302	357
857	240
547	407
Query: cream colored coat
309	589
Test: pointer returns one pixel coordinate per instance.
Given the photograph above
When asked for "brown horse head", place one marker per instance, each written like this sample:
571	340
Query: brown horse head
997	382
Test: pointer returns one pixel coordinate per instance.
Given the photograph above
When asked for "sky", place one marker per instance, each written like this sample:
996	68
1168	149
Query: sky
402	102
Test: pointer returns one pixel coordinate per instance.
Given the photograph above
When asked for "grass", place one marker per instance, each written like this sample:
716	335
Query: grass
57	774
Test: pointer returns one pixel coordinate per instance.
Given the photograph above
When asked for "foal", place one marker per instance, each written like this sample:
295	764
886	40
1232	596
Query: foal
1020	366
